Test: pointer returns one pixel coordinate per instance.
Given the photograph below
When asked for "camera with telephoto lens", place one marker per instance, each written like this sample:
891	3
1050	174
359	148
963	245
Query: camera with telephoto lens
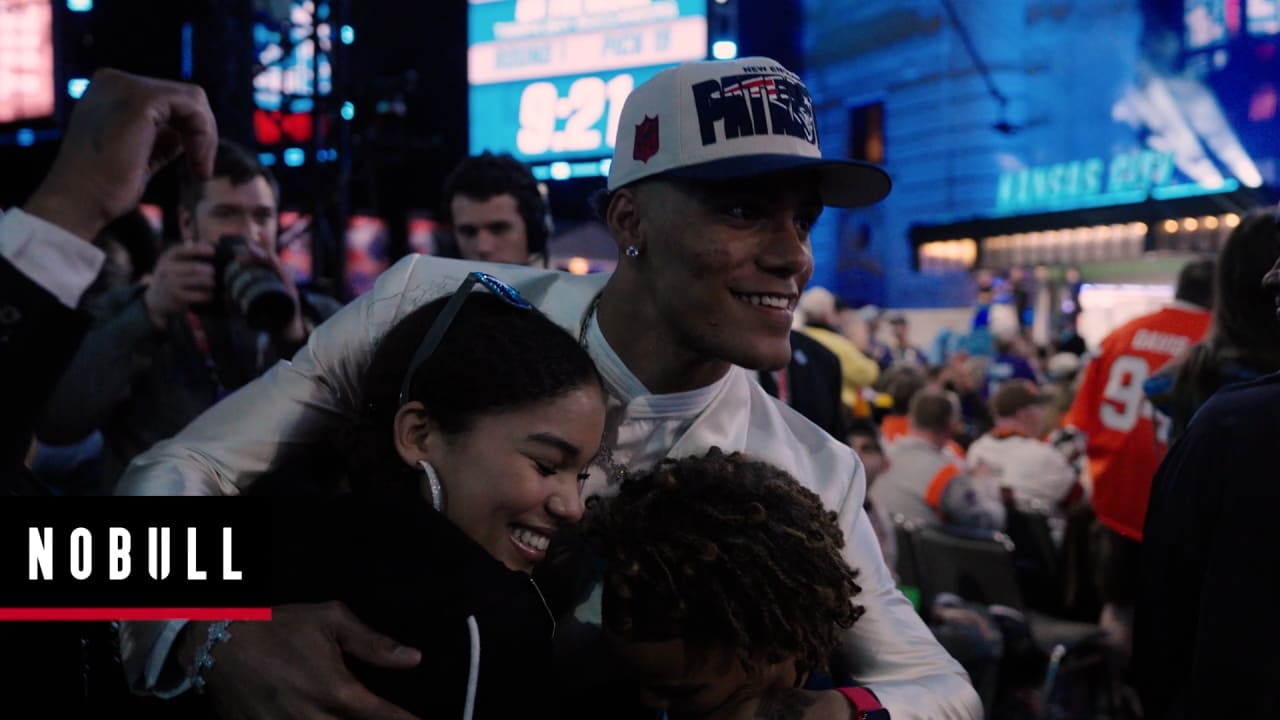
253	290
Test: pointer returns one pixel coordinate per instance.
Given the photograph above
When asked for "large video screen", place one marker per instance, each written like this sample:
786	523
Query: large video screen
26	60
1263	17
547	78
1195	117
289	74
1229	92
1210	22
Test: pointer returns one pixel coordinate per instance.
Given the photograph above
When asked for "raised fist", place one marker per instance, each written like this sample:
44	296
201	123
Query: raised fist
124	129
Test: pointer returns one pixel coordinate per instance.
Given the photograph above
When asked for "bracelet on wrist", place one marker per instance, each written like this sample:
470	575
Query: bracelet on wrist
866	706
204	654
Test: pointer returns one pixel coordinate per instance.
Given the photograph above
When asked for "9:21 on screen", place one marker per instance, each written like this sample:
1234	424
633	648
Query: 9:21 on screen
589	100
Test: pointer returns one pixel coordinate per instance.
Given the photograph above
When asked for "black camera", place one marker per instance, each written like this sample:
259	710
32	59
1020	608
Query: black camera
255	291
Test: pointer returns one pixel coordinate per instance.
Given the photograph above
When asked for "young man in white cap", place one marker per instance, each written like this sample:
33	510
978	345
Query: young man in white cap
716	181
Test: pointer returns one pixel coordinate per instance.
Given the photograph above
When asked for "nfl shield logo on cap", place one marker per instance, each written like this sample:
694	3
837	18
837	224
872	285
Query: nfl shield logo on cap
725	120
646	143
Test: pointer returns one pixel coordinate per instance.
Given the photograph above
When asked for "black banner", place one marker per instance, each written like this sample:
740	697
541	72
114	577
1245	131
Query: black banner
135	557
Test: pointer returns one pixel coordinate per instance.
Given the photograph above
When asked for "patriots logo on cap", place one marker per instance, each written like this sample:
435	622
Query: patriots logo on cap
646	145
748	105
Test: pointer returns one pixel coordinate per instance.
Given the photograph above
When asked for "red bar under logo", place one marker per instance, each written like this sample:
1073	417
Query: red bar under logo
134	613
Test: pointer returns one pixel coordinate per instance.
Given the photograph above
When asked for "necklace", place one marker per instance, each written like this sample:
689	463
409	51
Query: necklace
586	319
615	472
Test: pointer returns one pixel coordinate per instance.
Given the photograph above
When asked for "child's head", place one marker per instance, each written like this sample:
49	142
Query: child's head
722	572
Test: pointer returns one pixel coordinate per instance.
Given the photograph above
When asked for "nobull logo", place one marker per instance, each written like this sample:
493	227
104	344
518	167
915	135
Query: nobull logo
749	105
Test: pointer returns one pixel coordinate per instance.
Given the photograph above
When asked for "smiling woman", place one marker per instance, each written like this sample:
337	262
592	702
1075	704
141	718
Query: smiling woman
480	418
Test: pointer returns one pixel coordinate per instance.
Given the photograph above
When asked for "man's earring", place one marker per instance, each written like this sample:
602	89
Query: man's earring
433	482
632	251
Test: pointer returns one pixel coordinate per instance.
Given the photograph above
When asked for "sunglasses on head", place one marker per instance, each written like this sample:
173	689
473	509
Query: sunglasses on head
441	325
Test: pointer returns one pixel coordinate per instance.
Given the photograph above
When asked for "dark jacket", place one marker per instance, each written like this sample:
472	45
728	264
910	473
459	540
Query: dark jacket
408	572
1180	388
140	385
38	337
1206	625
40	663
813	384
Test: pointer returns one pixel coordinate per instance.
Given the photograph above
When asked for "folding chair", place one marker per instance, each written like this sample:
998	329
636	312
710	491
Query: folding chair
1036	559
979	566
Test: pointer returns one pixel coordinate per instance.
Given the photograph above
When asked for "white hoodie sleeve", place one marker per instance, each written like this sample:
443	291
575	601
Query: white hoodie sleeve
889	648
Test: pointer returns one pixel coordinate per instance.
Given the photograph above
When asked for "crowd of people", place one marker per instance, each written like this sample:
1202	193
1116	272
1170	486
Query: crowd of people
690	488
1073	440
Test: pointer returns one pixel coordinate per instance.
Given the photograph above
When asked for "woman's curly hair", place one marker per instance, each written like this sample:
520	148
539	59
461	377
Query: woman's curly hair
724	551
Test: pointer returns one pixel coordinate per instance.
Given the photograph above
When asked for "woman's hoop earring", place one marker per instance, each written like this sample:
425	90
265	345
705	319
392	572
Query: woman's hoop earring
433	482
632	251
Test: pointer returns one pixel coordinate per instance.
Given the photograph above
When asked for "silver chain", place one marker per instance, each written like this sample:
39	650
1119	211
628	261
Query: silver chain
616	471
586	320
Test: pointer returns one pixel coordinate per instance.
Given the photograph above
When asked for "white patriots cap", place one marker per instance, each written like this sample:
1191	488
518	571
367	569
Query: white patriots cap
728	119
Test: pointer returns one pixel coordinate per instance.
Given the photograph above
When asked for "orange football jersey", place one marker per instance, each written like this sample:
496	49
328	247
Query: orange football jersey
1127	438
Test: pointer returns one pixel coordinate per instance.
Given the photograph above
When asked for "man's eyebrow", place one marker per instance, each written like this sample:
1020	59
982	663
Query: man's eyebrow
569	449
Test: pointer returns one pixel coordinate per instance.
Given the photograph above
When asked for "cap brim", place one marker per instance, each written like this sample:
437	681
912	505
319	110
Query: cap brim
843	183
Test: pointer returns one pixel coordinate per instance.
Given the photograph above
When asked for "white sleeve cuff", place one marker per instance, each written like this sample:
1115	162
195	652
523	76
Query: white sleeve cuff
53	258
160	678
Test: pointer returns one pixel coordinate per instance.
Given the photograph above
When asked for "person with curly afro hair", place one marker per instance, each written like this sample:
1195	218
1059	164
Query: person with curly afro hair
724	588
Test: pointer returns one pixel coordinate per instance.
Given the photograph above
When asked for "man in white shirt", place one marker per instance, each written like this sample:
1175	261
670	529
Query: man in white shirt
1015	458
716	181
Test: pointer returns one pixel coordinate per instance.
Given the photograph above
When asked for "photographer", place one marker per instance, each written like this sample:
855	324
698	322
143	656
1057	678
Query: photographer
219	310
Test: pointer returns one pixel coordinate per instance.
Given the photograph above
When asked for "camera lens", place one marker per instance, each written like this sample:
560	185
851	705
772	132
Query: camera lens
259	296
254	291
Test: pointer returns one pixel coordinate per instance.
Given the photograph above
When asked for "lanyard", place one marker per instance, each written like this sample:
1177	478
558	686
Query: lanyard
202	344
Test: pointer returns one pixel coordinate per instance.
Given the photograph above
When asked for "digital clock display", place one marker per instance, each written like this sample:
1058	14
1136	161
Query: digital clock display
547	78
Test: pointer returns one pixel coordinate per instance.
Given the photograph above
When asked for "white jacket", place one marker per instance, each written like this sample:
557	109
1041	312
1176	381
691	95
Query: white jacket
298	404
